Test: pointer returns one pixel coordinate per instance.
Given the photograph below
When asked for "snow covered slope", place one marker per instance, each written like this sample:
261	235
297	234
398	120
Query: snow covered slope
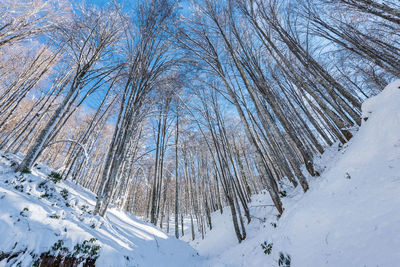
38	216
349	217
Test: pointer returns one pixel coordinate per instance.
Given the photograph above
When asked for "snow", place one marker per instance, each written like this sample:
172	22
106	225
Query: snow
349	217
31	223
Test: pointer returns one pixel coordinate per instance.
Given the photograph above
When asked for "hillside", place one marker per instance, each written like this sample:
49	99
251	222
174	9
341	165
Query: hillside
43	223
349	217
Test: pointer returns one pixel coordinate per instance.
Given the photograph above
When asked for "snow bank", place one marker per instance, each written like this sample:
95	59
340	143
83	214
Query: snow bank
349	217
39	216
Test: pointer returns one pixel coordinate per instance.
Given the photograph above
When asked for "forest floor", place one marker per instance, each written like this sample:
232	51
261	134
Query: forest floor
40	219
349	217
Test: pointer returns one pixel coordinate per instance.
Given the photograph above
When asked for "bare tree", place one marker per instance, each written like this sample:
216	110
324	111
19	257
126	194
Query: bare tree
147	60
90	40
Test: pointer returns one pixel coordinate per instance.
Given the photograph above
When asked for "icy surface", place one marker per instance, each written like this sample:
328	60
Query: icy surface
349	217
34	216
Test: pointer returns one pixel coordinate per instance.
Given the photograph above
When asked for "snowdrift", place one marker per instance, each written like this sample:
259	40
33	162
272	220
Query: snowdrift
43	223
349	217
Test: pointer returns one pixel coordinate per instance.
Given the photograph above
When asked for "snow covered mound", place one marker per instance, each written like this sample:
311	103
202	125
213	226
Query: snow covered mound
349	217
41	220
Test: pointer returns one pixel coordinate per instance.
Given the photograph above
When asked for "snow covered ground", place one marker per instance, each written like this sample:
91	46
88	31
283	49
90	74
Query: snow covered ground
349	217
39	216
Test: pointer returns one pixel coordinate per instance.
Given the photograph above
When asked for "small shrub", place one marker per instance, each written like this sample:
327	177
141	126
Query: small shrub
87	248
55	177
26	170
283	193
64	193
284	260
20	188
23	212
274	225
54	216
45	195
267	247
36	263
83	253
85	208
42	185
48	192
57	245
